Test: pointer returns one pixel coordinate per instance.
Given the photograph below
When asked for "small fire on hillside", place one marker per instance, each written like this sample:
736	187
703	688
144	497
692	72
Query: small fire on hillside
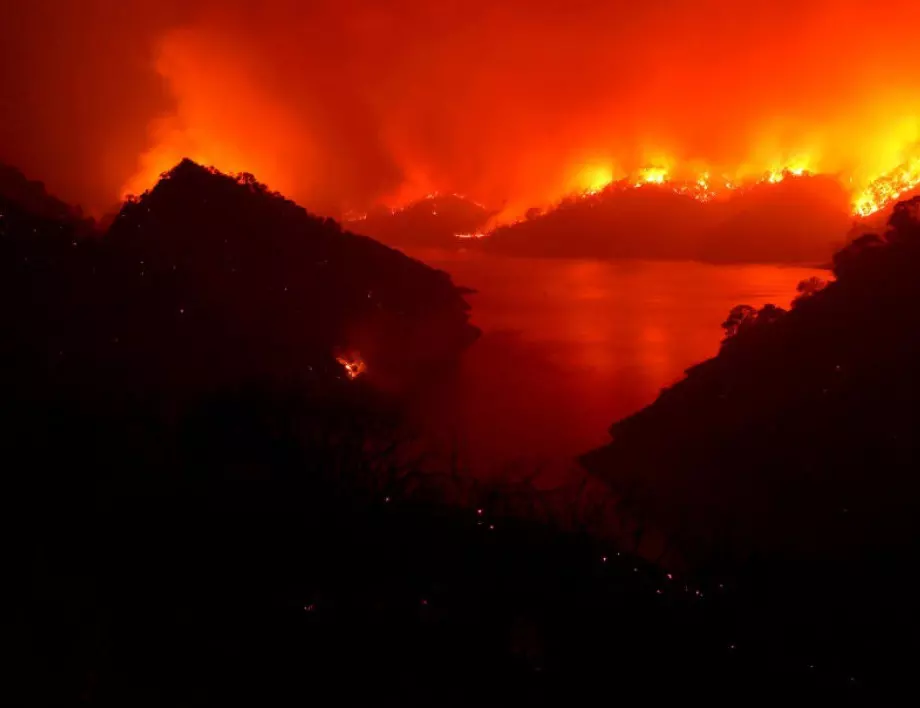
353	364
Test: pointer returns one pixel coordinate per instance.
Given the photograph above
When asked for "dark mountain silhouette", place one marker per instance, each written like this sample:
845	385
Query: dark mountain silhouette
627	223
798	220
32	197
796	447
433	222
813	372
208	278
207	509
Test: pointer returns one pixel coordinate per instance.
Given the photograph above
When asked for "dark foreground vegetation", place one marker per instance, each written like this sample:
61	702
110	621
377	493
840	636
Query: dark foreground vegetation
791	457
207	510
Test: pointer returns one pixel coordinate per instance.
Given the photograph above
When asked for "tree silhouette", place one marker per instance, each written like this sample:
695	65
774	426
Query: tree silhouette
808	287
739	316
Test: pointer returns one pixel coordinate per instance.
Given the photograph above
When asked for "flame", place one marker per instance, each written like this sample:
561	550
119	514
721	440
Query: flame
887	188
878	192
738	91
354	365
594	179
652	175
264	136
874	149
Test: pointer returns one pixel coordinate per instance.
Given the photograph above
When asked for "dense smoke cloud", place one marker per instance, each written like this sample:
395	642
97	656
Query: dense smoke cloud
341	103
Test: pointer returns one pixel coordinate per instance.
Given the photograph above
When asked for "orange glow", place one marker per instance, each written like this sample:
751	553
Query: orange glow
887	188
876	194
877	162
354	365
550	104
259	135
593	179
652	175
867	141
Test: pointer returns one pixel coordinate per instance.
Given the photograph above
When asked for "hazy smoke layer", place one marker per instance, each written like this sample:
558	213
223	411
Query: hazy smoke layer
341	103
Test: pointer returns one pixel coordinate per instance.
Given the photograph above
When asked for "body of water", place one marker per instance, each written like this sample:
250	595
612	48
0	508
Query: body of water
570	346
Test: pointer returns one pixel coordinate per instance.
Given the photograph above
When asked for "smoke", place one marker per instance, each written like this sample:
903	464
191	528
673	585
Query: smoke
340	103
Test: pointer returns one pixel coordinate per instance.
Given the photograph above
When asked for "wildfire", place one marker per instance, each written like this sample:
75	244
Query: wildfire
354	365
870	195
877	194
593	179
652	175
889	187
702	126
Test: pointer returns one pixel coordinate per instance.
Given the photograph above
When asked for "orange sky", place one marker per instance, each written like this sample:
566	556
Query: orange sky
341	103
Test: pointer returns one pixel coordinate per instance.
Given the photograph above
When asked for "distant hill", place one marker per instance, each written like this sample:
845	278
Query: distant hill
433	222
798	220
651	222
32	197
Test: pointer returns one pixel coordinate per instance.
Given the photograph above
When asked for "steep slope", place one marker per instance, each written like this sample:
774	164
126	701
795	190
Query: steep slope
789	462
209	279
799	436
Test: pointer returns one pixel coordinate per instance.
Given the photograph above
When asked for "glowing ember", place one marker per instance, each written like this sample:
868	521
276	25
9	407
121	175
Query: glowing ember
354	365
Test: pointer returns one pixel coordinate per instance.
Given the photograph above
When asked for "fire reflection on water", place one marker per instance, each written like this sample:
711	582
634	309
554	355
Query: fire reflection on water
570	346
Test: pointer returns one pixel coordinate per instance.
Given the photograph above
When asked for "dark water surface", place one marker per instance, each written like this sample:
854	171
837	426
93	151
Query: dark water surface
570	346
